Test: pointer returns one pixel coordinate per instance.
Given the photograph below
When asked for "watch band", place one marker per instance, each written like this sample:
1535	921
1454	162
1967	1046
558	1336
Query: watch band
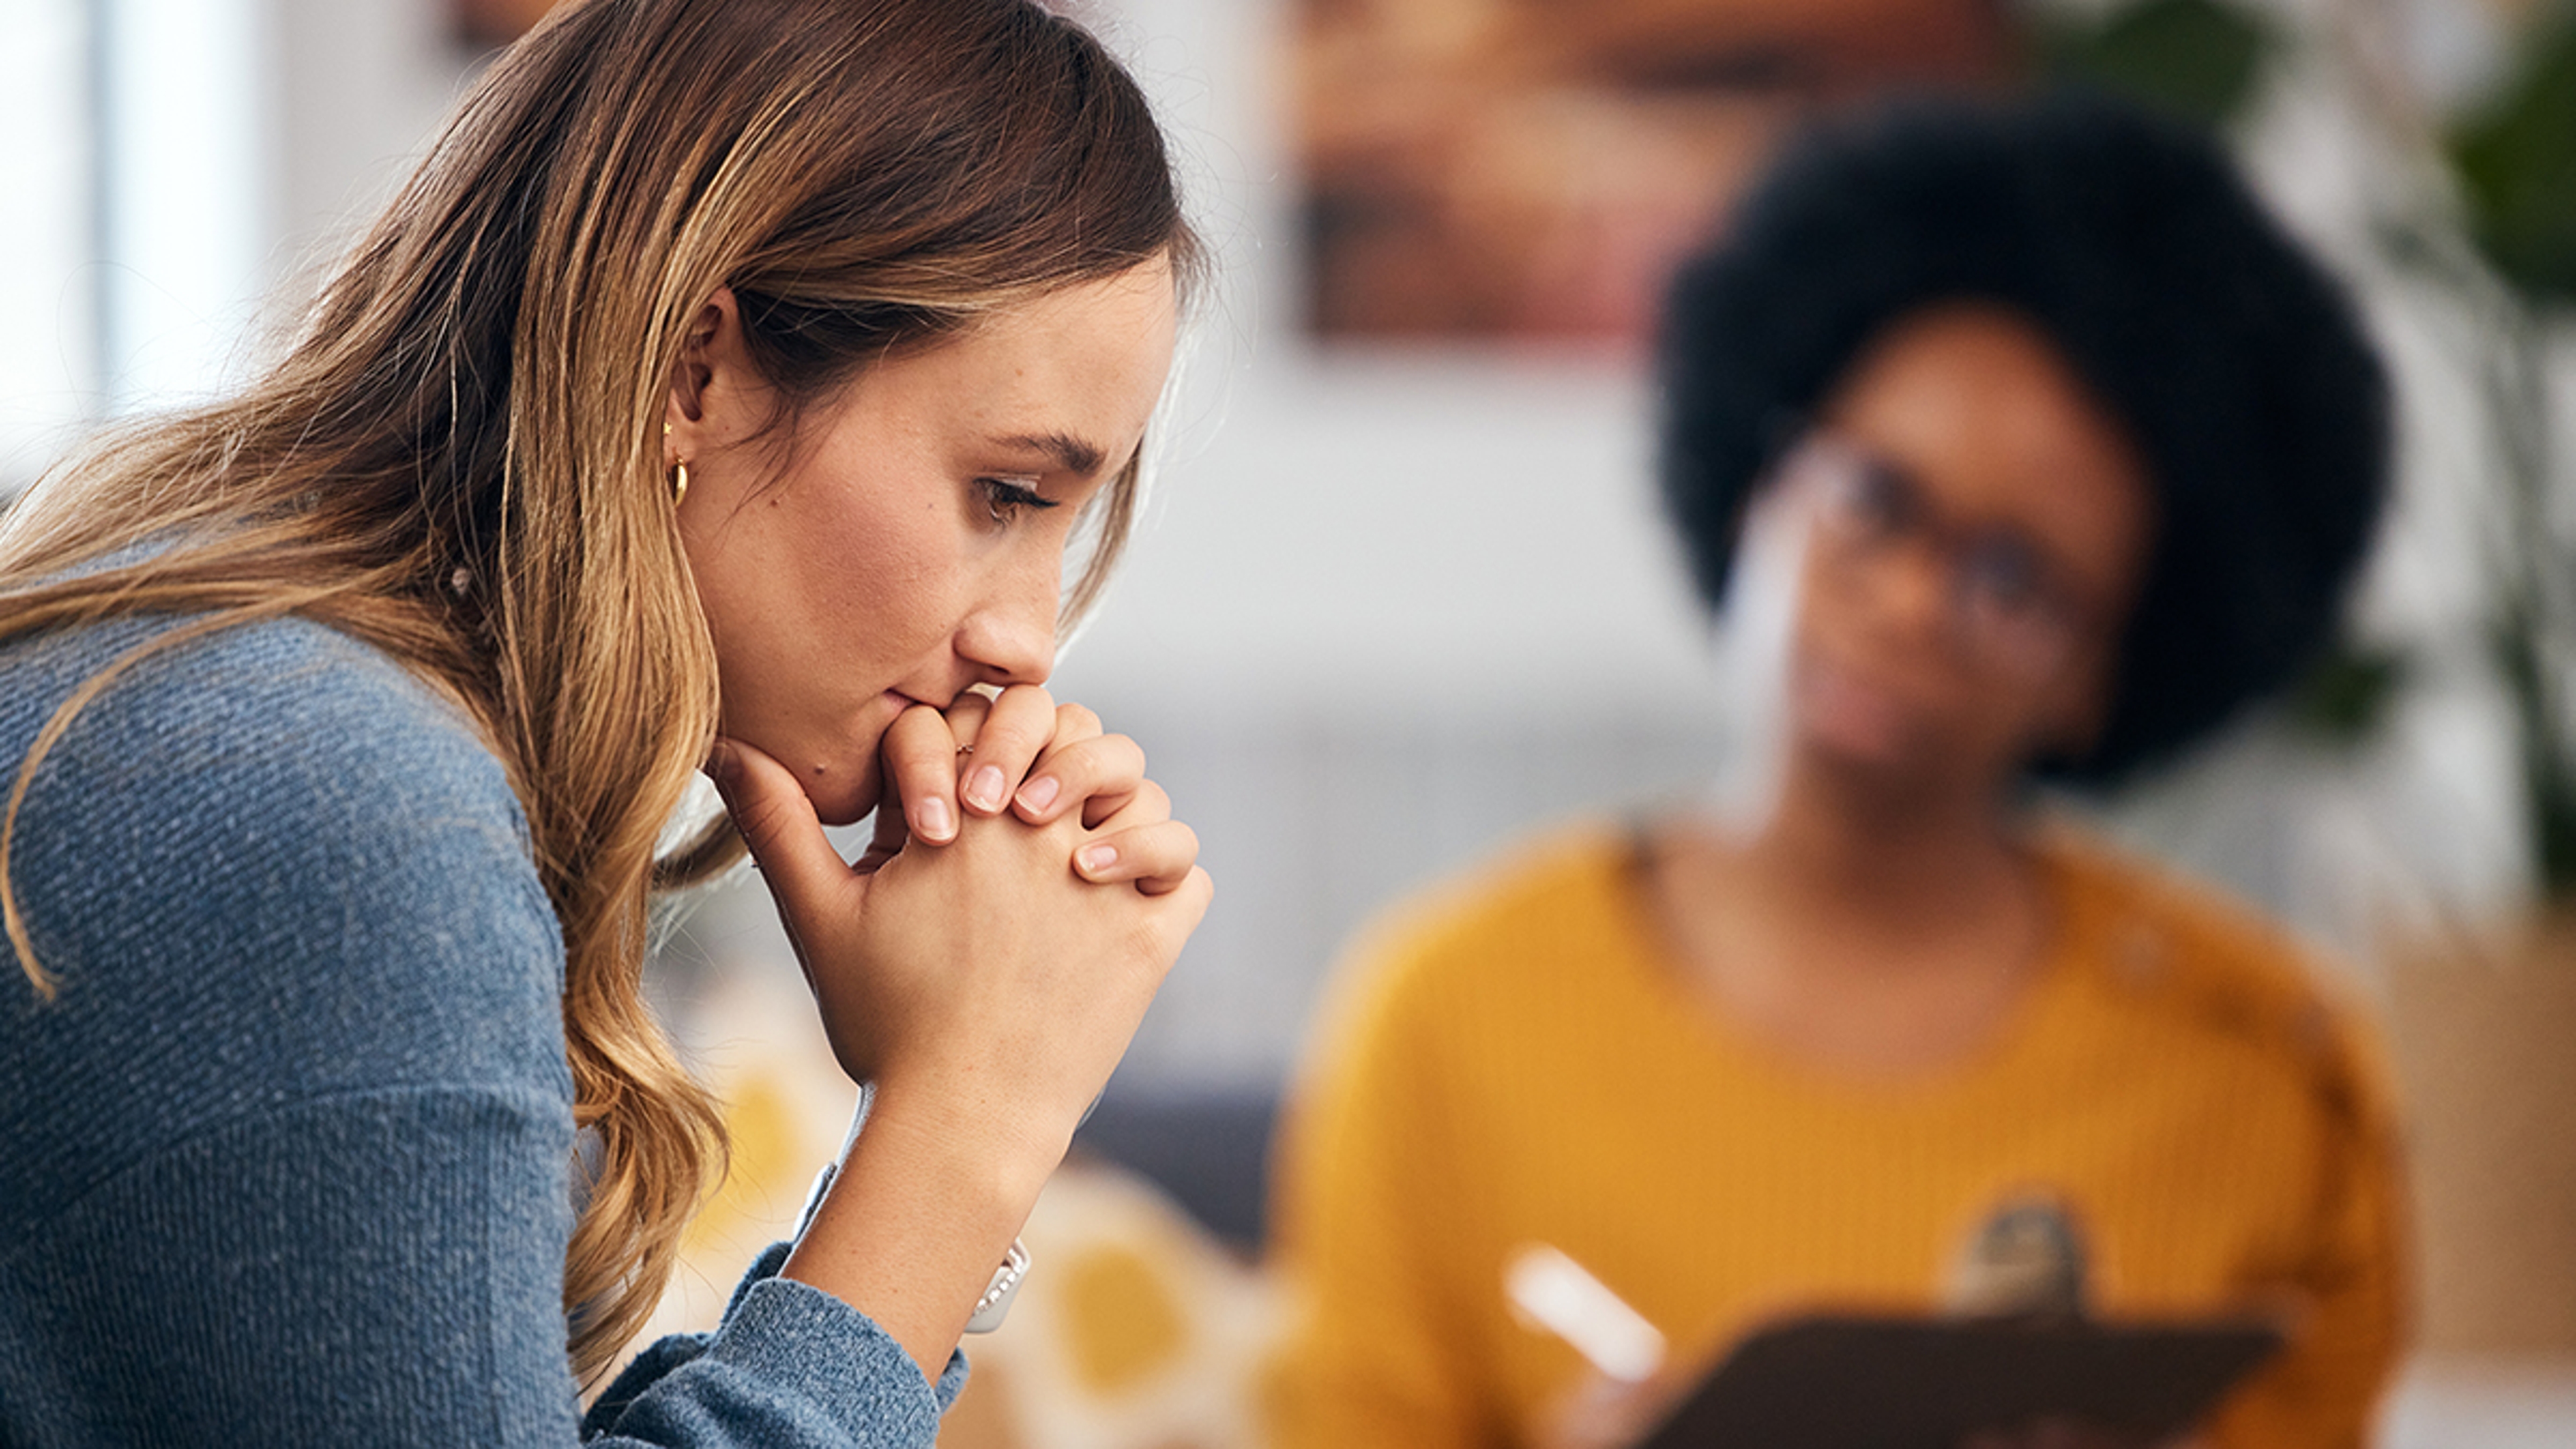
996	1302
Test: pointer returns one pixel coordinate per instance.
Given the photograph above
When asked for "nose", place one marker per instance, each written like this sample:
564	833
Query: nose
1009	636
1908	587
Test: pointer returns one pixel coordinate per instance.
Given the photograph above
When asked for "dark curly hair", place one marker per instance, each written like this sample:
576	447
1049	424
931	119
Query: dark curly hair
2237	363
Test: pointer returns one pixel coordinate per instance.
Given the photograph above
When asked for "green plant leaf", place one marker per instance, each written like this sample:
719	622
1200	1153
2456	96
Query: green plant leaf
2345	696
2196	58
2516	157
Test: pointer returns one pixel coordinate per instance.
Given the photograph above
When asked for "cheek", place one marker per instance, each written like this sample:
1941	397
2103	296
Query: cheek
814	609
1831	618
868	608
1946	707
879	572
2080	703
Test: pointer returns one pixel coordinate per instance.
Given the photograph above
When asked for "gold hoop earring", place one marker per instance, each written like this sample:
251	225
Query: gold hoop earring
679	473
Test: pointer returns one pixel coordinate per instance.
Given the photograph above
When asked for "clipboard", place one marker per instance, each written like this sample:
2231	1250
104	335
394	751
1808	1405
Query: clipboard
1856	1382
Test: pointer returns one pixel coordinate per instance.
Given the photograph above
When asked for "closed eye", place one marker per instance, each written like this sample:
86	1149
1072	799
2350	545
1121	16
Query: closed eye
1005	500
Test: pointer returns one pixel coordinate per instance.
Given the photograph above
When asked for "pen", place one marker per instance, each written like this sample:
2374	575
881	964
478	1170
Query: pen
1551	1291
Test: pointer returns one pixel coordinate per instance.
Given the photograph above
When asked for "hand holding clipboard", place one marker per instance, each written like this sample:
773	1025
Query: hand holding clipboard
1832	1382
1931	1381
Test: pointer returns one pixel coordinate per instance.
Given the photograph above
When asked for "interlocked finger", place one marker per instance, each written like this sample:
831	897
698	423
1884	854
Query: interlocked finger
919	756
1100	774
1002	747
1140	844
1156	857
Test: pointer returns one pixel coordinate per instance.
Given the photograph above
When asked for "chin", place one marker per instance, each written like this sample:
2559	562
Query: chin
835	762
842	806
1858	757
842	796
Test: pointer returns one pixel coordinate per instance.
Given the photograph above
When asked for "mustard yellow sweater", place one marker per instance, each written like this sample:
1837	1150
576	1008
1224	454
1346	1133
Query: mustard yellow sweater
1516	1060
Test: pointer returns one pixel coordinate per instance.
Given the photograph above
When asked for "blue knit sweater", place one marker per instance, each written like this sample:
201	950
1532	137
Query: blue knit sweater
286	1160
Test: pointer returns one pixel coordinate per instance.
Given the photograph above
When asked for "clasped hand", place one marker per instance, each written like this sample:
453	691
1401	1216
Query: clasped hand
997	944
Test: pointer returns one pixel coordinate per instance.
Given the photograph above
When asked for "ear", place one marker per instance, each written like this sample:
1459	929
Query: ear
713	366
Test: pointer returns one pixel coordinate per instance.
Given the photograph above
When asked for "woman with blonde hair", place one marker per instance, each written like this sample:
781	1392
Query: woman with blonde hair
727	388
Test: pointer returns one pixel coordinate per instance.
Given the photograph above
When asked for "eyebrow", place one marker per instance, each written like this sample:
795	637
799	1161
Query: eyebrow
1071	453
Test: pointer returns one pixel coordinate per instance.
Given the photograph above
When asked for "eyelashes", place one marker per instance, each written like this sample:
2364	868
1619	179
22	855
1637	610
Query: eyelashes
1005	501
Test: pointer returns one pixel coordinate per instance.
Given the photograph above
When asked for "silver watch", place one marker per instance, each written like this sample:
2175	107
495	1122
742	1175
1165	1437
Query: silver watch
996	1302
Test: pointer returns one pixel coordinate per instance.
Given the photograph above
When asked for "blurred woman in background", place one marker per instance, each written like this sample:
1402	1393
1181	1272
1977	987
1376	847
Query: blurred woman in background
726	387
2053	452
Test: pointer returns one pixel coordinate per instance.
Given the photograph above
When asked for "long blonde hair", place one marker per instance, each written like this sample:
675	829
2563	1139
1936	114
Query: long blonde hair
458	461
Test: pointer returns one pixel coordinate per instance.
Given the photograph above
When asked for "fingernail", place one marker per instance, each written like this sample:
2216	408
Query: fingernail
1039	793
1096	858
985	790
932	817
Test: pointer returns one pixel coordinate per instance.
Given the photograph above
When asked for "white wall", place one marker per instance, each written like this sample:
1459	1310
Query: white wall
182	106
1394	533
178	171
47	371
364	87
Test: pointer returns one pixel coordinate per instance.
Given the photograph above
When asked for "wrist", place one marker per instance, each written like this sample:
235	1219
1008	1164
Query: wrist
984	1152
914	1222
981	1125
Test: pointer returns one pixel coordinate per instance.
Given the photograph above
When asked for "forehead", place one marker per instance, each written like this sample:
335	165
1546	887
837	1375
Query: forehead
1084	362
1984	412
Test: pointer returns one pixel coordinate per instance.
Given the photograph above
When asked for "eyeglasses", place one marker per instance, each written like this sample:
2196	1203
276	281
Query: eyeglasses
2010	602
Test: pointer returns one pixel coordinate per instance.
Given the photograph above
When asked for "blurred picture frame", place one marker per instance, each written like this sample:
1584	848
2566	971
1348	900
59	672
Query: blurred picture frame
1524	173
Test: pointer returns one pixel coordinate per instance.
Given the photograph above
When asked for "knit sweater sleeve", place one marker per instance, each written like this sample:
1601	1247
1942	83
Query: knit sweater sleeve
289	1144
